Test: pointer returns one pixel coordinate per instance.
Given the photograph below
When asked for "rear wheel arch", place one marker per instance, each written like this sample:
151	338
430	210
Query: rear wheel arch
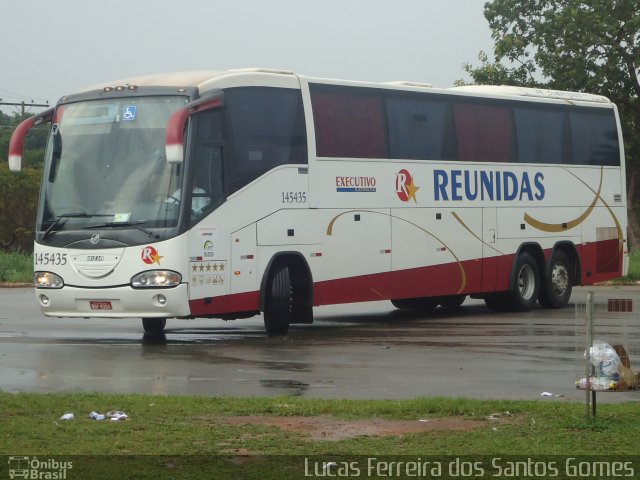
524	281
533	249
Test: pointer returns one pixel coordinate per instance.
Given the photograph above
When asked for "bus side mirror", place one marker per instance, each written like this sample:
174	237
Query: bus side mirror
174	145
177	124
16	144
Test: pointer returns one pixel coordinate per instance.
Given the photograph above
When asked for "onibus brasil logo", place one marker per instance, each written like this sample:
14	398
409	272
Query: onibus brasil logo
35	468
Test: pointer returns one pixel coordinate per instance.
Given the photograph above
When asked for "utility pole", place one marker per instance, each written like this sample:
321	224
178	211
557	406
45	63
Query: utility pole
24	105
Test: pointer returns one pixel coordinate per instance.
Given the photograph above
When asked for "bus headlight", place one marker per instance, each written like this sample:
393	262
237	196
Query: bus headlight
156	279
47	280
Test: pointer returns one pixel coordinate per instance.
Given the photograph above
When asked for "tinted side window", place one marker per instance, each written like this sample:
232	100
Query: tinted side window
483	132
349	122
209	126
540	134
266	129
594	138
418	128
207	192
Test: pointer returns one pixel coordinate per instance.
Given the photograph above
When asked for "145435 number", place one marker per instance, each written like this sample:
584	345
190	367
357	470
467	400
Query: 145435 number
47	258
294	197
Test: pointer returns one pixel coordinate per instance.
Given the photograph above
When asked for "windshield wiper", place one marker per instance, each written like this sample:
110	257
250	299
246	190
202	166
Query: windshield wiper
60	220
135	225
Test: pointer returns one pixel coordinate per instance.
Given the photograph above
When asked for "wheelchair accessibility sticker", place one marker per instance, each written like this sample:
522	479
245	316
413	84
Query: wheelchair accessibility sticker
129	112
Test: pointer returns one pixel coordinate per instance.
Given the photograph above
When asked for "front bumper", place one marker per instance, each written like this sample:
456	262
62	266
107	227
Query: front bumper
123	302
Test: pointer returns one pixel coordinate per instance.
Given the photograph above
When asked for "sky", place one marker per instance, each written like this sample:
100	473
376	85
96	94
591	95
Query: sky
53	48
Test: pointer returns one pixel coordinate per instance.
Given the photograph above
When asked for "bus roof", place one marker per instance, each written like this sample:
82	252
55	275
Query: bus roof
200	79
203	79
175	79
508	90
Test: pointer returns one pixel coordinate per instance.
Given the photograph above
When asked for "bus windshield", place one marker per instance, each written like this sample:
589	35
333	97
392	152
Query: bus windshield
105	168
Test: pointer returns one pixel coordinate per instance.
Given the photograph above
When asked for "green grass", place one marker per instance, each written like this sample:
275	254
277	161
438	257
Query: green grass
16	267
634	266
192	431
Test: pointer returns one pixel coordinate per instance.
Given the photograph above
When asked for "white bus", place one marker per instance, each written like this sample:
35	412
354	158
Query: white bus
227	194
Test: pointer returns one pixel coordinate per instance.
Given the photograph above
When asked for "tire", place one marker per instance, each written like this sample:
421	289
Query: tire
557	284
154	326
498	301
452	301
278	309
423	304
526	283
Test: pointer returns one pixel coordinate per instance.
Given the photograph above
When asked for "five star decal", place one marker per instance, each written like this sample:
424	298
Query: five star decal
207	267
207	273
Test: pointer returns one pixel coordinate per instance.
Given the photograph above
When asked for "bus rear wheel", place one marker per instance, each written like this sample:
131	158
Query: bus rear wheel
526	283
278	307
154	326
558	282
525	288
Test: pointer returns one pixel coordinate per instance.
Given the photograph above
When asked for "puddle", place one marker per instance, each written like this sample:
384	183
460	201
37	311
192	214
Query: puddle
294	387
335	429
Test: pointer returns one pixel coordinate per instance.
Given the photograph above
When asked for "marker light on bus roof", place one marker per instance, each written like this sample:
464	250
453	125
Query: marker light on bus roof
120	88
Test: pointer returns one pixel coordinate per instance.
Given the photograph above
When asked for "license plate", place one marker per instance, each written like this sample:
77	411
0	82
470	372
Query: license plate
100	305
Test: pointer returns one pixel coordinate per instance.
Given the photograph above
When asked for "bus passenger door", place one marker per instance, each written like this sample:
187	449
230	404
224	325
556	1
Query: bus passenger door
490	253
243	272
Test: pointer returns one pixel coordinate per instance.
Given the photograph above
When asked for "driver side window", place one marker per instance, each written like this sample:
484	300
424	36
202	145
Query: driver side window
208	174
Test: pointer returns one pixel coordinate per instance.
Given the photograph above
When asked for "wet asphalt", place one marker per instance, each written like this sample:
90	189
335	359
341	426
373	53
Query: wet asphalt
353	351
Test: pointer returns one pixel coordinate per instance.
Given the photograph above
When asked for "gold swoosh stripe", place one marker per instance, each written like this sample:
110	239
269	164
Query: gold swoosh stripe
455	215
613	215
463	274
561	227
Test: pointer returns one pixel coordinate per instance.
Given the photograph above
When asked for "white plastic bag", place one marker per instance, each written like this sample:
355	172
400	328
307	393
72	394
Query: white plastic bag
604	358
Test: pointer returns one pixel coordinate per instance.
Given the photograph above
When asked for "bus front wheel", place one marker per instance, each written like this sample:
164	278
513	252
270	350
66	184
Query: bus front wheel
452	301
154	326
498	301
278	307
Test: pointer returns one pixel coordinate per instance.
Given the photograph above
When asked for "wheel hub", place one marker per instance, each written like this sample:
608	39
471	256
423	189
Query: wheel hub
559	279
526	282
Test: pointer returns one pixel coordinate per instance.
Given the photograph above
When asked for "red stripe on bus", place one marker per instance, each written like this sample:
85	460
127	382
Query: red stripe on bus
599	261
238	302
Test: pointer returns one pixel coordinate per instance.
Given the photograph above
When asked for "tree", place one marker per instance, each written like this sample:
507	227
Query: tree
18	206
587	46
